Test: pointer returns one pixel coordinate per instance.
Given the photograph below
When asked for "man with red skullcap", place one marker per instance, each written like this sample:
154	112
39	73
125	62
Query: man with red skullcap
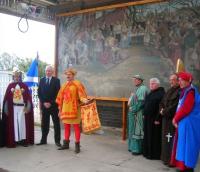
17	115
186	121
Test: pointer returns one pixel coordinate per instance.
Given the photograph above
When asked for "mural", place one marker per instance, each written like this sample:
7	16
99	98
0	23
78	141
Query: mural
109	47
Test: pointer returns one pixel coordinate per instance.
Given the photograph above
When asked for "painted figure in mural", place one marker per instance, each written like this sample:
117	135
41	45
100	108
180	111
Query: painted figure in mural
190	39
167	110
152	129
17	115
175	51
186	146
70	96
117	29
196	59
81	51
47	91
98	44
135	116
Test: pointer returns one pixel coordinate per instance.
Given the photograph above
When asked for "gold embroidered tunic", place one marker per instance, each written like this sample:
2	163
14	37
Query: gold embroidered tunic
69	98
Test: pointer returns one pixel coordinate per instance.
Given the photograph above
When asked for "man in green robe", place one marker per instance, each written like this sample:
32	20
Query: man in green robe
135	116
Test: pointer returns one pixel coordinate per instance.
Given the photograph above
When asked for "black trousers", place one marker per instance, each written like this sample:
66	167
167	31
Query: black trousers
46	113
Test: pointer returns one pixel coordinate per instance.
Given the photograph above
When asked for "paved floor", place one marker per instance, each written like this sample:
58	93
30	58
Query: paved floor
99	153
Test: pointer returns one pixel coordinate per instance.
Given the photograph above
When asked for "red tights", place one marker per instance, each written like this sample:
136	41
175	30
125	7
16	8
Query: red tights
77	131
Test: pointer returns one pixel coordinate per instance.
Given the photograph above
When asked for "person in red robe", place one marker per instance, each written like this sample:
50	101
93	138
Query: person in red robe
185	150
17	114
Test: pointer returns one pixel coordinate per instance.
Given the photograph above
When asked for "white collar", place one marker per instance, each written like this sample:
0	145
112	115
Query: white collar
49	77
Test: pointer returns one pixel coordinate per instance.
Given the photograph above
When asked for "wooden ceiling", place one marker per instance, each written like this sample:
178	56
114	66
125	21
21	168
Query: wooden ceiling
63	6
48	9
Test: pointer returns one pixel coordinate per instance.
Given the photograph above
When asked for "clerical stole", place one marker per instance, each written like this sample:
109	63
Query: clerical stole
19	118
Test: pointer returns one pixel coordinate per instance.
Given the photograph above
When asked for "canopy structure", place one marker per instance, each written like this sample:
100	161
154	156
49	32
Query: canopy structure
46	10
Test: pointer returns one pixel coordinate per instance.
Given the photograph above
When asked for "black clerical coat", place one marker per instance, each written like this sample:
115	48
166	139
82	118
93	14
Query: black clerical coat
168	104
152	132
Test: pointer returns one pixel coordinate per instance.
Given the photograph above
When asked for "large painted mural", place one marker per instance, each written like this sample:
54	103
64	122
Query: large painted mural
109	47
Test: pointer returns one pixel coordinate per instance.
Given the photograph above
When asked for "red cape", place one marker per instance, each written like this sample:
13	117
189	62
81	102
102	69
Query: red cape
7	120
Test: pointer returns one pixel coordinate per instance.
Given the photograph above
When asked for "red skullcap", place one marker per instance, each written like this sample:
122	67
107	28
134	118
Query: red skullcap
185	76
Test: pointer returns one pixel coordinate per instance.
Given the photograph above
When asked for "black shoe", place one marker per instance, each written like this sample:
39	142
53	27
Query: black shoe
22	143
136	153
170	166
25	145
165	163
65	145
58	144
41	143
77	147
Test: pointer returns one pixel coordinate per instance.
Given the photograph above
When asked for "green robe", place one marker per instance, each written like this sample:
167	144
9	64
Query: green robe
135	120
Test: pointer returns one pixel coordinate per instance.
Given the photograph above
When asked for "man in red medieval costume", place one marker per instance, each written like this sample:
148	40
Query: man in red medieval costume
17	114
69	98
186	121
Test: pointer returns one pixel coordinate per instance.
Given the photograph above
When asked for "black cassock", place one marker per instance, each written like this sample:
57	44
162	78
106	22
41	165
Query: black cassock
152	132
168	104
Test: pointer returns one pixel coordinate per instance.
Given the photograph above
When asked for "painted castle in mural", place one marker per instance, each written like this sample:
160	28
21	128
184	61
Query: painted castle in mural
109	47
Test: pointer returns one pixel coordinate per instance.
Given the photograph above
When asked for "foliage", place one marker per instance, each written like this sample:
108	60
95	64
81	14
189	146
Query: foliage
42	66
8	62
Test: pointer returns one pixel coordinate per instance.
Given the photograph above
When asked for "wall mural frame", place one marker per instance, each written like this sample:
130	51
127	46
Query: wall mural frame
151	45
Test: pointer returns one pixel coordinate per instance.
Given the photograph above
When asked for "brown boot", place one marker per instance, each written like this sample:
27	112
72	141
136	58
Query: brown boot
77	147
65	145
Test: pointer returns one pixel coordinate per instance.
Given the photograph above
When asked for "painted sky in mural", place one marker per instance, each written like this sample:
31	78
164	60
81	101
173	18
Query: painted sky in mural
109	47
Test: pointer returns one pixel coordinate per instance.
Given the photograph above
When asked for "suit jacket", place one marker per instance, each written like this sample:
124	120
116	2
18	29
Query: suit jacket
48	93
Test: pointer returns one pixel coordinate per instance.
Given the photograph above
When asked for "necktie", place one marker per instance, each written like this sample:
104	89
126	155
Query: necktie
47	81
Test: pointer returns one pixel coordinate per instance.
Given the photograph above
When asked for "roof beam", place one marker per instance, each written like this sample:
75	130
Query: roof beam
84	4
108	7
48	2
40	2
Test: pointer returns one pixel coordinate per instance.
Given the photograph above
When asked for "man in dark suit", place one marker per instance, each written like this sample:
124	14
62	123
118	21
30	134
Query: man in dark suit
47	92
